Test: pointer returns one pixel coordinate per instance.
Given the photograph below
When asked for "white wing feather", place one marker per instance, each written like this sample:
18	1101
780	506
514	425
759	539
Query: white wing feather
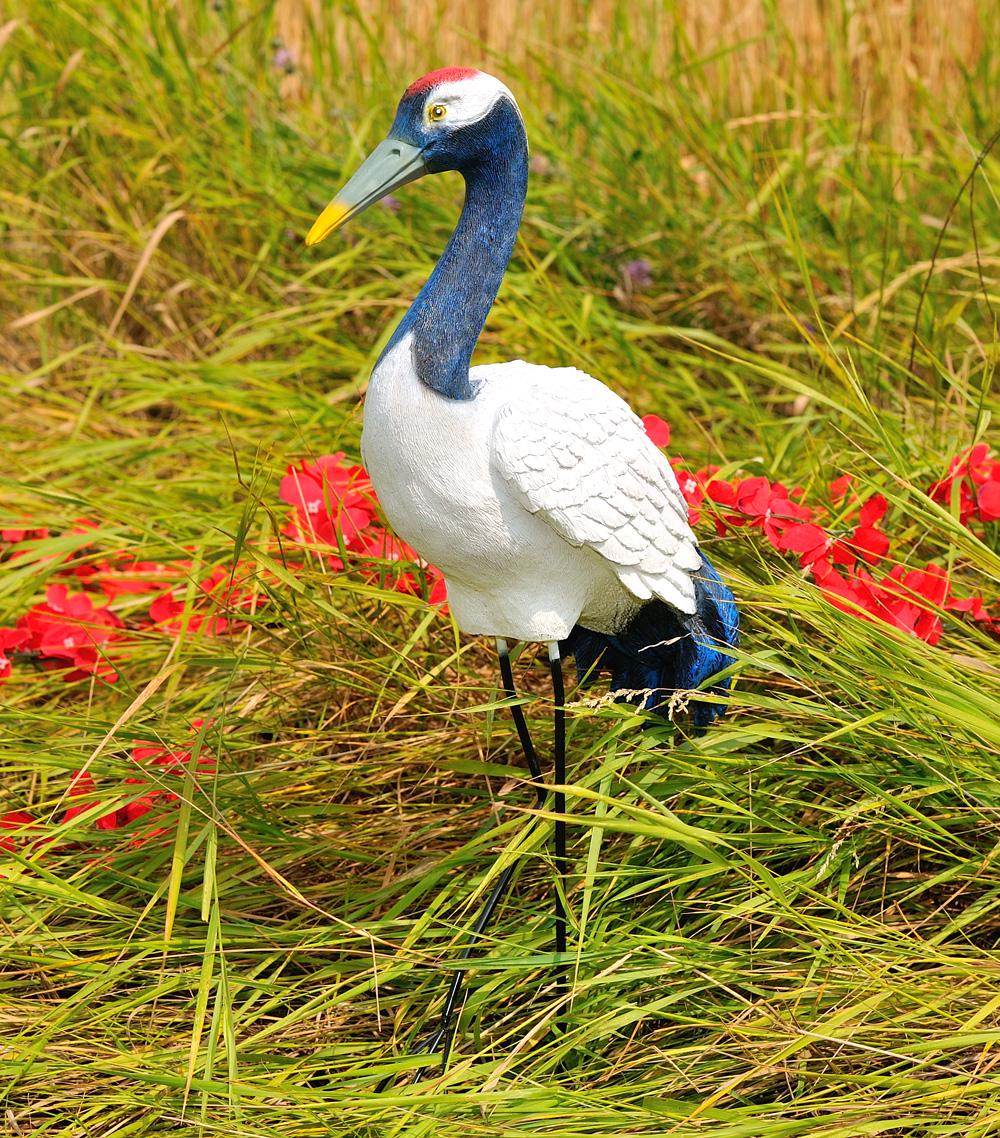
578	456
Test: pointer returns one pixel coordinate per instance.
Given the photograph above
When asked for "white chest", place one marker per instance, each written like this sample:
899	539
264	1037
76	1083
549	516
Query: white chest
429	460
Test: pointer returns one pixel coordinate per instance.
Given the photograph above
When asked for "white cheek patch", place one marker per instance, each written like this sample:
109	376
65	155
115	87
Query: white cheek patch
469	100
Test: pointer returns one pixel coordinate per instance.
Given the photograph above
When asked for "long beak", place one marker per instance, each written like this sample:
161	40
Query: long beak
390	165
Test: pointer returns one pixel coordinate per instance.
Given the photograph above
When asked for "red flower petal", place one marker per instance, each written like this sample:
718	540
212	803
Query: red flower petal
16	820
873	510
12	638
721	492
657	430
438	593
81	782
871	543
840	486
804	538
753	496
303	492
989	501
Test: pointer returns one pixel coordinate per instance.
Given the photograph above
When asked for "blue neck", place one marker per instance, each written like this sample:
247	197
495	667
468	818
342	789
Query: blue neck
451	309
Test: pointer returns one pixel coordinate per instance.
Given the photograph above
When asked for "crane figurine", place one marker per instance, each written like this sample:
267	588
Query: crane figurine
534	490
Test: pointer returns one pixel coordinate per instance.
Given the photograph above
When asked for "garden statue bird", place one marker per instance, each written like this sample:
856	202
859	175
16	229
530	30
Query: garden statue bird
534	490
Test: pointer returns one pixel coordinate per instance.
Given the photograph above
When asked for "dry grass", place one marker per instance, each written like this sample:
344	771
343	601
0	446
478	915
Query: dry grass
782	57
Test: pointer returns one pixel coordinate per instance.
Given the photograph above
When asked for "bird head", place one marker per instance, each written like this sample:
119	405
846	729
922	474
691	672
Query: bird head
454	119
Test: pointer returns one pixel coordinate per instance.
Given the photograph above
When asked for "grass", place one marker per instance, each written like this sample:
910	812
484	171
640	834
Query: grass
789	926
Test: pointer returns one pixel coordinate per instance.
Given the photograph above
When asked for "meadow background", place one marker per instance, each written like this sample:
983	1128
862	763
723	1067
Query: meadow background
789	926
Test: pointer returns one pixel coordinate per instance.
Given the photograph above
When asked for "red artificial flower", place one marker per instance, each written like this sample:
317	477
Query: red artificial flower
239	592
141	806
150	758
867	542
904	599
930	583
721	492
222	589
16	535
68	630
873	510
165	608
168	613
692	488
976	609
330	498
753	497
379	543
174	761
804	538
978	478
385	546
128	577
977	464
335	504
842	592
759	503
82	783
908	599
839	487
943	492
870	543
988	499
920	591
10	640
121	816
16	821
657	430
437	594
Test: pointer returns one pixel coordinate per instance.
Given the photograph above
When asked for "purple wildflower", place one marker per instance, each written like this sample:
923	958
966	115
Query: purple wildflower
283	59
638	274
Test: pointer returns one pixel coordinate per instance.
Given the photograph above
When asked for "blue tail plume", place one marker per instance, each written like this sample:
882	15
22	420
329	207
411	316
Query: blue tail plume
663	650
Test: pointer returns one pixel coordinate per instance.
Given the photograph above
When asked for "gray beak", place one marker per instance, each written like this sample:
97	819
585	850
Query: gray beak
390	165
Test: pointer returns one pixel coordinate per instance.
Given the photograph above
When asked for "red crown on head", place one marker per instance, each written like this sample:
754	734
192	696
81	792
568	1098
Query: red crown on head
444	75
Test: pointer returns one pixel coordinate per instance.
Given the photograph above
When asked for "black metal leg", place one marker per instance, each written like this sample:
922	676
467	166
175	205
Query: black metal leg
562	864
442	1036
445	1031
517	711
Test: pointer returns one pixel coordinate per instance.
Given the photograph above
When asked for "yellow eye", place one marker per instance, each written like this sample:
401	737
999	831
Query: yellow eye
436	112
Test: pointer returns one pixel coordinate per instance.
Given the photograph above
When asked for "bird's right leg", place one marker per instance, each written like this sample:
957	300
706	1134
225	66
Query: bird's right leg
442	1035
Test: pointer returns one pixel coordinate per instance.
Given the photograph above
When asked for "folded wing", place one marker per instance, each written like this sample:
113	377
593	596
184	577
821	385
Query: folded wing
576	455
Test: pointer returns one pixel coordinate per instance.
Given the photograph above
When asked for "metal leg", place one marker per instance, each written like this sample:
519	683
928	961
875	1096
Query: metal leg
562	864
445	1032
442	1036
517	711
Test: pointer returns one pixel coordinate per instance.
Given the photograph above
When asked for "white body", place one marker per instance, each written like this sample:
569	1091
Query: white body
541	500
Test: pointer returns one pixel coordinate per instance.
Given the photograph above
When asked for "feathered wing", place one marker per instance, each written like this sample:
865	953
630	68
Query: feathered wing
577	455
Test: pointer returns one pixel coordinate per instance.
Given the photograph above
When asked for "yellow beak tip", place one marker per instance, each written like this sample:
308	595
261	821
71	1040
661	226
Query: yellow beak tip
335	214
